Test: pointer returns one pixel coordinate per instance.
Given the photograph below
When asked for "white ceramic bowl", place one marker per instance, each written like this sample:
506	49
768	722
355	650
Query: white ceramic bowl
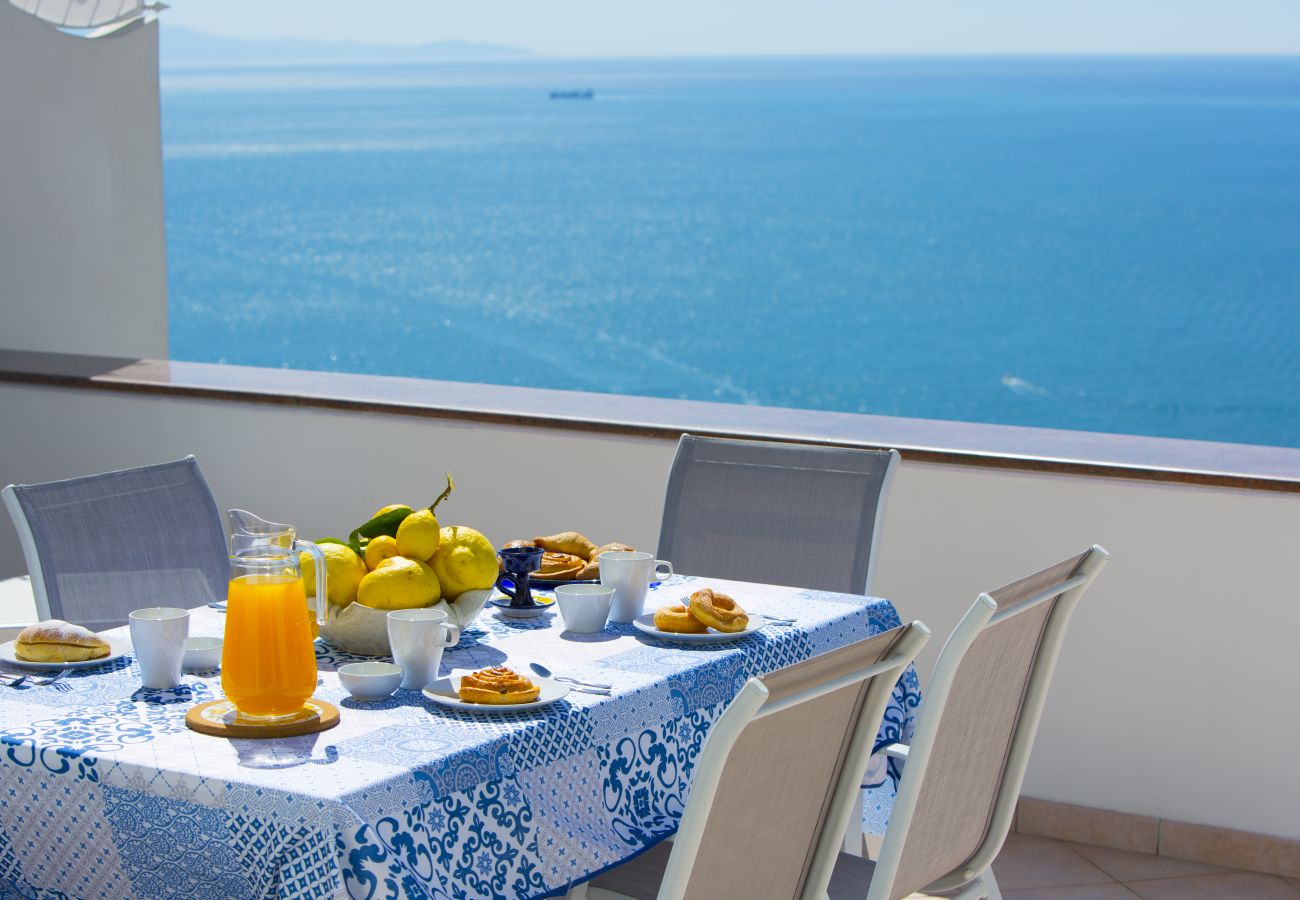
370	680
202	654
584	607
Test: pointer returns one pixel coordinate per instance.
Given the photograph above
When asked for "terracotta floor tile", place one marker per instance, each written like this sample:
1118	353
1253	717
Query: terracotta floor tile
1123	865
1110	891
1035	863
1230	886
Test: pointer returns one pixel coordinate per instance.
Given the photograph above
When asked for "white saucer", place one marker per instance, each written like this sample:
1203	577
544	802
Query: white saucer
646	625
443	692
117	648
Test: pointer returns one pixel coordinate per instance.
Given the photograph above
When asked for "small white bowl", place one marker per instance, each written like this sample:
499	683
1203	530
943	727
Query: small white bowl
584	607
370	680
202	654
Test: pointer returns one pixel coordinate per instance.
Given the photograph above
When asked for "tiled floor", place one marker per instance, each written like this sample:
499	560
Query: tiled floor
1033	868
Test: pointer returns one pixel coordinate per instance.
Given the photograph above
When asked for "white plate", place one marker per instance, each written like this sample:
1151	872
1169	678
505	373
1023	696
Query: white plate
117	648
646	625
443	692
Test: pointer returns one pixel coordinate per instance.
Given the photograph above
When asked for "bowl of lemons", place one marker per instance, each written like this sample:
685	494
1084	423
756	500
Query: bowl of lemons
400	558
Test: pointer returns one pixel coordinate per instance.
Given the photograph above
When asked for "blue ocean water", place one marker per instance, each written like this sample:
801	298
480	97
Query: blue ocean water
1098	244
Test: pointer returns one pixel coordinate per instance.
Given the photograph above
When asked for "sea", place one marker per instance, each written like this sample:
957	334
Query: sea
1091	243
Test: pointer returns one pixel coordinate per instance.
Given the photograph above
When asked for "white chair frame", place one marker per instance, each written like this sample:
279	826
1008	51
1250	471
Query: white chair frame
976	879
748	706
28	544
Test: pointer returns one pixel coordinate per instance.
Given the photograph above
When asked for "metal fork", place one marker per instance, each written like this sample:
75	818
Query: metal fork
56	681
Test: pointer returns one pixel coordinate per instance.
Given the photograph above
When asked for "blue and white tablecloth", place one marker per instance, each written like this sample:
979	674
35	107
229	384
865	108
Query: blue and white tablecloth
105	793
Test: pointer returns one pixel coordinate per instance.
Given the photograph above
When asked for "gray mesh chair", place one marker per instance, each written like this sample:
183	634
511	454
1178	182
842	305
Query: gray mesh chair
967	759
100	546
775	783
791	514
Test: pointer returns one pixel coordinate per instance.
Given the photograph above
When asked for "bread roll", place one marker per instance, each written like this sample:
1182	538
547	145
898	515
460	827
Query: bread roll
55	640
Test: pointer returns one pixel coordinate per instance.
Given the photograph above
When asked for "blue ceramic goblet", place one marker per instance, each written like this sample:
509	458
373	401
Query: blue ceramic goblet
517	564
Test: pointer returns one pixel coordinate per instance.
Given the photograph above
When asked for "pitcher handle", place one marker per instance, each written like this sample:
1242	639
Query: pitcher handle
318	557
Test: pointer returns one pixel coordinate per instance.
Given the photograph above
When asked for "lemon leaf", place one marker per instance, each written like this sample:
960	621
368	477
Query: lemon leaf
331	540
385	524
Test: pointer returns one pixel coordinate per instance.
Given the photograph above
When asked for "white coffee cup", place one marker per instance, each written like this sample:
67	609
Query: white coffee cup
158	639
629	573
418	637
584	607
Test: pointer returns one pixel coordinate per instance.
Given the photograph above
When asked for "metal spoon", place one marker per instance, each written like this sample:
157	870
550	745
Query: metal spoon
546	673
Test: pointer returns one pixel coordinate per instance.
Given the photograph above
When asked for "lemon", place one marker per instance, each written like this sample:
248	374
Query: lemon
417	536
389	508
343	573
399	583
464	561
379	549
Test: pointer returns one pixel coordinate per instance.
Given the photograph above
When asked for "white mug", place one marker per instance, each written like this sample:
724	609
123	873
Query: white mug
158	638
584	607
629	573
418	637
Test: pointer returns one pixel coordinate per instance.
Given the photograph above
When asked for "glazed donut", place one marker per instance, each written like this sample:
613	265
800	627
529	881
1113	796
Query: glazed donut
718	611
677	619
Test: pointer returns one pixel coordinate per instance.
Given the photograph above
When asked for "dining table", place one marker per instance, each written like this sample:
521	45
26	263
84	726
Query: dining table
104	791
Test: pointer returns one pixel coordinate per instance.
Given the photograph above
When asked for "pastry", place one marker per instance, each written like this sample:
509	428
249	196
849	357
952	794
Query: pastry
677	619
498	686
55	640
557	566
569	556
592	572
608	547
718	611
567	542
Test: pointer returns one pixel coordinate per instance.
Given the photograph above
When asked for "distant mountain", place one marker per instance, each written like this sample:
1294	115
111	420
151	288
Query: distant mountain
181	47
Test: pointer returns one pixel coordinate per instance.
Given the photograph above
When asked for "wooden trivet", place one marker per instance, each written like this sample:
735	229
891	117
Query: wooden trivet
219	718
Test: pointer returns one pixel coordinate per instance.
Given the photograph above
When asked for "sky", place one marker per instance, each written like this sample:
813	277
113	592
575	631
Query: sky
760	27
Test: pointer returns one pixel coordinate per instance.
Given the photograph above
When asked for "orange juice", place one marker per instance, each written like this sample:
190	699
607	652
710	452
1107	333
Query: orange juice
268	663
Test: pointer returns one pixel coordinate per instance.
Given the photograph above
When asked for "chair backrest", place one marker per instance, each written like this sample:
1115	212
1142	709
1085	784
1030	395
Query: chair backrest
777	777
967	759
100	546
792	514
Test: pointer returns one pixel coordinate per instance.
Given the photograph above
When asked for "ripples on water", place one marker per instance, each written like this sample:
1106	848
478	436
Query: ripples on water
1104	245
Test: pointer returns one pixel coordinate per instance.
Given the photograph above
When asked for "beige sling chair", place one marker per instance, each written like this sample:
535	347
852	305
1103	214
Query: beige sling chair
963	775
780	768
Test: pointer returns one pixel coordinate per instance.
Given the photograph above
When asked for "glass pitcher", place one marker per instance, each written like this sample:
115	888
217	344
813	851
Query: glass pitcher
268	662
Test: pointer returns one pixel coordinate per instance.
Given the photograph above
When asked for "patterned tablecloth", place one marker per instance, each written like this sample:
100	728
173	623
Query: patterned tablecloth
105	793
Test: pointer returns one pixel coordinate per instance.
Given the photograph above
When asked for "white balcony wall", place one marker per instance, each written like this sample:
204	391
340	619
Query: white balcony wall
82	260
1175	695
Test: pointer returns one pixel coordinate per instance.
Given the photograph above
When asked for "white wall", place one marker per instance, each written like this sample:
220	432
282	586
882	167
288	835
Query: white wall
82	261
1176	692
